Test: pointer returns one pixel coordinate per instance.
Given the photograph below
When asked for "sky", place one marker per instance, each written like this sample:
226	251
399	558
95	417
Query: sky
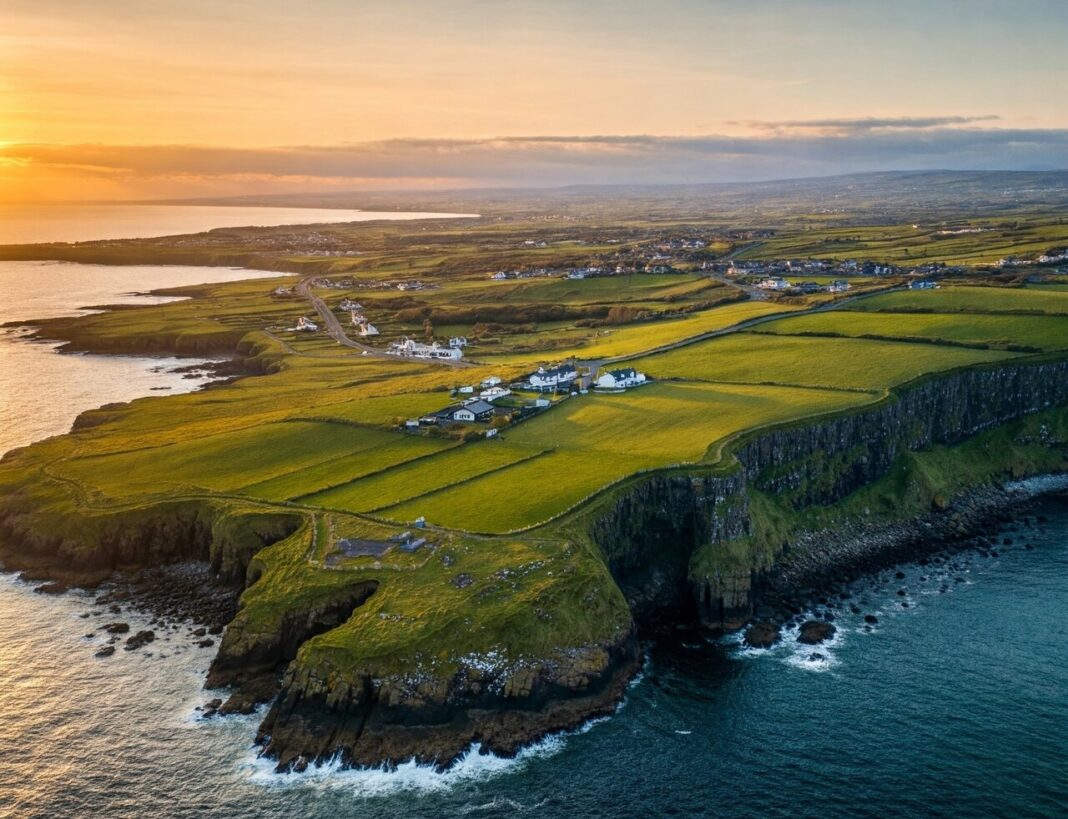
145	98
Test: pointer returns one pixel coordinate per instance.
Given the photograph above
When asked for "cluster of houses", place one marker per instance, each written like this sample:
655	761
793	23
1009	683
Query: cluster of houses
780	284
1049	257
359	320
407	348
479	405
478	408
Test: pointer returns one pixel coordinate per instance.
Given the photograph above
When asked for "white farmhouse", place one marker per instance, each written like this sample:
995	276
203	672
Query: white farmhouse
774	283
493	393
620	379
306	325
492	381
553	378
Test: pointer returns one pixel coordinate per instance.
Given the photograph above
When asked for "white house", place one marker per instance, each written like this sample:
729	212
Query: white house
348	305
492	381
922	284
413	349
774	283
838	286
620	379
306	325
542	403
457	342
468	390
552	378
493	393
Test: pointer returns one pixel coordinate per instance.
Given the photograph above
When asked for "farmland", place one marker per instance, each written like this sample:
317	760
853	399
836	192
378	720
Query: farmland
850	364
1036	332
316	439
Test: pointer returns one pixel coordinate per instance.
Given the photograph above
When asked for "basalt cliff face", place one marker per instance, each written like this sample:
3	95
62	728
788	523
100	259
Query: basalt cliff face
651	534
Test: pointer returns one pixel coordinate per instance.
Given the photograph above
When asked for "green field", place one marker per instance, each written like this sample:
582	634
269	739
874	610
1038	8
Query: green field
627	340
857	364
1001	331
599	439
971	300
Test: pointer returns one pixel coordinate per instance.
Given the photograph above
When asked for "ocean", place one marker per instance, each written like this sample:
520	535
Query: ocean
26	224
956	705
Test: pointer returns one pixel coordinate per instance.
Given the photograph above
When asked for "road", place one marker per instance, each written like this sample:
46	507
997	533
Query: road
337	332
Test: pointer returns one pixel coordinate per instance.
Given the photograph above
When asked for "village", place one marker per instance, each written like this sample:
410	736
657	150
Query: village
494	404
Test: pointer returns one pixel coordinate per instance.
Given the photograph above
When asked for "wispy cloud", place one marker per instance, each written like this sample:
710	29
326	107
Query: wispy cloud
787	149
862	125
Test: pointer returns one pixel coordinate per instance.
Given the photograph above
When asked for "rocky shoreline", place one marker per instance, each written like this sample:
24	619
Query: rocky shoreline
812	575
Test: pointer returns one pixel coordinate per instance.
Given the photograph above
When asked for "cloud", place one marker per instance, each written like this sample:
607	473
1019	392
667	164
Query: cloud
782	150
862	125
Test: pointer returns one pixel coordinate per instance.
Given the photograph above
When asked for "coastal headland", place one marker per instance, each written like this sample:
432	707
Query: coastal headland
418	572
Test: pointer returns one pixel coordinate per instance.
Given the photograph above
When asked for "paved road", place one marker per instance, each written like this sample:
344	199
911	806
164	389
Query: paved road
337	332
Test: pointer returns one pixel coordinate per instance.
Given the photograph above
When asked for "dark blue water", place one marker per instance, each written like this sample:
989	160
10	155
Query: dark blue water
954	706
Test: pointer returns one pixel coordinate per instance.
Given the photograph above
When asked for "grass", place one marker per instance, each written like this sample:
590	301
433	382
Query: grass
971	300
599	439
855	364
631	339
1001	331
416	478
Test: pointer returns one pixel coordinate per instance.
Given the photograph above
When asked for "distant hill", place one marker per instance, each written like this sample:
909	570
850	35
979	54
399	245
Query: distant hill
883	196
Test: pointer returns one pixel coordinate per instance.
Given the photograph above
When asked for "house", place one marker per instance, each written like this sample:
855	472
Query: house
808	288
542	403
412	423
493	393
348	305
491	432
472	411
414	349
468	390
922	284
774	283
492	381
620	379
305	325
364	327
838	286
553	378
499	276
457	342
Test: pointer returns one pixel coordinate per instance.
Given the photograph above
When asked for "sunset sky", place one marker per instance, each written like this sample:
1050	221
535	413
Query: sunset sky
143	98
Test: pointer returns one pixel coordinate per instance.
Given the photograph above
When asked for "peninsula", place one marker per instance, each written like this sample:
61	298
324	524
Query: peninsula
459	472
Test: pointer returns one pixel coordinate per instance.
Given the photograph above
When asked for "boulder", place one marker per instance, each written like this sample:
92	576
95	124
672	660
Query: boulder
814	632
761	635
139	640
